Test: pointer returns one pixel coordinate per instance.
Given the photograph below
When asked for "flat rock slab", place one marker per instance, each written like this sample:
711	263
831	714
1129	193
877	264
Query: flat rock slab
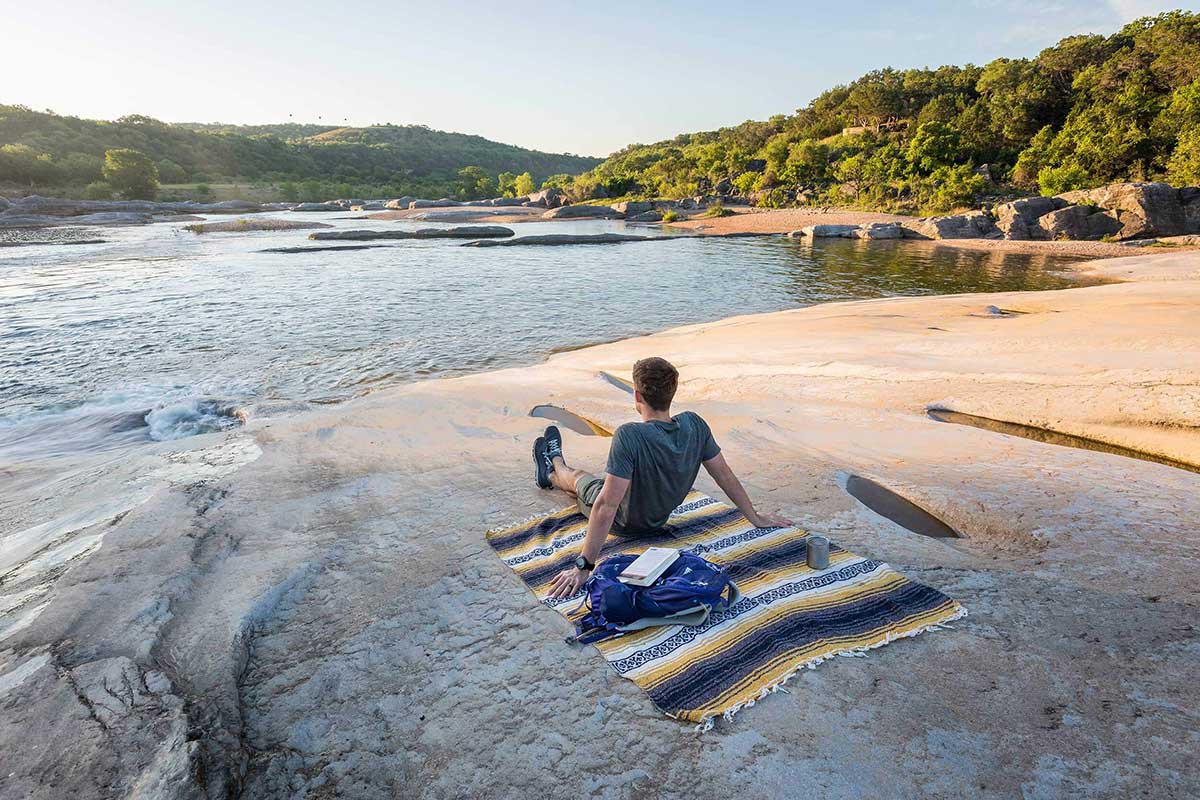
54	244
461	232
320	249
107	218
246	225
583	212
551	239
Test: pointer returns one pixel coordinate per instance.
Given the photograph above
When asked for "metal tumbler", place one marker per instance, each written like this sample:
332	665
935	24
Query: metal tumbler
818	552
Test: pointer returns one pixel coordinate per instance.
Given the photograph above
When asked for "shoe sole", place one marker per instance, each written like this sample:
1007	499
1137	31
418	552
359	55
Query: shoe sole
537	465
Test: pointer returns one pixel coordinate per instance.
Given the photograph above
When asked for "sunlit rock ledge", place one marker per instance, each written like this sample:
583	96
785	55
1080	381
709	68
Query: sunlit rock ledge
307	605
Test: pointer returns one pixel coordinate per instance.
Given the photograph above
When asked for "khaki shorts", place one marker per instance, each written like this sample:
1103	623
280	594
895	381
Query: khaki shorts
587	489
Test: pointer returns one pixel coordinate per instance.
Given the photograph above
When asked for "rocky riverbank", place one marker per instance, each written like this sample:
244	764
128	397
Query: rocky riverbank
35	211
306	605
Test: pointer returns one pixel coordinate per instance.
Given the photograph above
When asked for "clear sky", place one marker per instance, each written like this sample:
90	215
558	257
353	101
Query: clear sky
564	76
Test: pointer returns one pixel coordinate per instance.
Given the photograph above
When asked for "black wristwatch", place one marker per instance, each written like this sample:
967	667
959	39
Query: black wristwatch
583	565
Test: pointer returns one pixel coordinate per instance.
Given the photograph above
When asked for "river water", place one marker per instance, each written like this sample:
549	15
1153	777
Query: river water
159	333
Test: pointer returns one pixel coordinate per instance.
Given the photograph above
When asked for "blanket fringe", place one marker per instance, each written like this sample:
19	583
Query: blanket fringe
520	522
706	723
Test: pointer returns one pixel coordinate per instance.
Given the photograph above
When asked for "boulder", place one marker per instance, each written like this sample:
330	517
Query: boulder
1145	210
653	215
878	230
1190	199
317	207
61	207
632	207
687	203
1075	222
444	202
829	231
399	204
1015	219
547	198
510	201
724	186
583	212
971	225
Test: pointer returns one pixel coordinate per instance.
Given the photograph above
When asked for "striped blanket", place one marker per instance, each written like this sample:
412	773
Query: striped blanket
789	616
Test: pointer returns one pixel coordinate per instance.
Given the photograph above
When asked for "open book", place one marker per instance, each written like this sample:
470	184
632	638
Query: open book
649	566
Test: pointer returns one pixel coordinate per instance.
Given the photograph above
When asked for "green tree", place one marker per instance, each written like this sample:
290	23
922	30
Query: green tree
934	145
170	172
81	168
523	185
559	181
506	184
20	163
131	173
473	183
1183	168
807	163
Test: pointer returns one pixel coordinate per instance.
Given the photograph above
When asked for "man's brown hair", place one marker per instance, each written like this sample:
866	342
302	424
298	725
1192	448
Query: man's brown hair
656	380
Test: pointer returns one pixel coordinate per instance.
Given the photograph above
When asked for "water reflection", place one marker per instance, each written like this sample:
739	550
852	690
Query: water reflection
841	269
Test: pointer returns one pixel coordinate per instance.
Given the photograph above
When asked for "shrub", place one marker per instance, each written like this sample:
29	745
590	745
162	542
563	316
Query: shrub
773	198
719	211
670	215
97	190
949	188
1056	180
203	191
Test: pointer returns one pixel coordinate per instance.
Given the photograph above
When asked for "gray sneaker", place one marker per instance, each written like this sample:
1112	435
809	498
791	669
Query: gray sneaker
553	443
542	464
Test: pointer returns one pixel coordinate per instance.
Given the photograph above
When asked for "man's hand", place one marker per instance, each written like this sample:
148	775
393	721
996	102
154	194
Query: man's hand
770	521
568	582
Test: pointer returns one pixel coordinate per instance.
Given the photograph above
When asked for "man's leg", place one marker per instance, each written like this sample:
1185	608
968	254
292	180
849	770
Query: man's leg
566	478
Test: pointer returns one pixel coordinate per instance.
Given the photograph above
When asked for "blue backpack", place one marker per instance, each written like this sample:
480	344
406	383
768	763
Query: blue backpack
686	594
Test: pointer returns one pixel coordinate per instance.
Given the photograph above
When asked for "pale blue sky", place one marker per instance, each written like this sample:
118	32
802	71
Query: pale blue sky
562	76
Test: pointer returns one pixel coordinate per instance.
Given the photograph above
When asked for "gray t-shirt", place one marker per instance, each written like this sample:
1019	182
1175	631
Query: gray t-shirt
661	459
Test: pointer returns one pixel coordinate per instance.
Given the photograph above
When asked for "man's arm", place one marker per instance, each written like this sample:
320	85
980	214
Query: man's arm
600	521
733	489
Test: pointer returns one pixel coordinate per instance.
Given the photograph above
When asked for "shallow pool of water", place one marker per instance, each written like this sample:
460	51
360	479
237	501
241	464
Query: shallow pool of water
161	333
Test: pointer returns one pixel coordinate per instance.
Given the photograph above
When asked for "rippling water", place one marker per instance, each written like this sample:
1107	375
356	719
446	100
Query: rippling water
159	333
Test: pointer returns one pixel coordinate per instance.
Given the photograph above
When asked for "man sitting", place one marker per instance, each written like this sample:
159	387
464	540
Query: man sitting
652	465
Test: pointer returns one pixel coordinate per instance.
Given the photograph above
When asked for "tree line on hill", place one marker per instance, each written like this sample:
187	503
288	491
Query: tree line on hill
1088	111
45	152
